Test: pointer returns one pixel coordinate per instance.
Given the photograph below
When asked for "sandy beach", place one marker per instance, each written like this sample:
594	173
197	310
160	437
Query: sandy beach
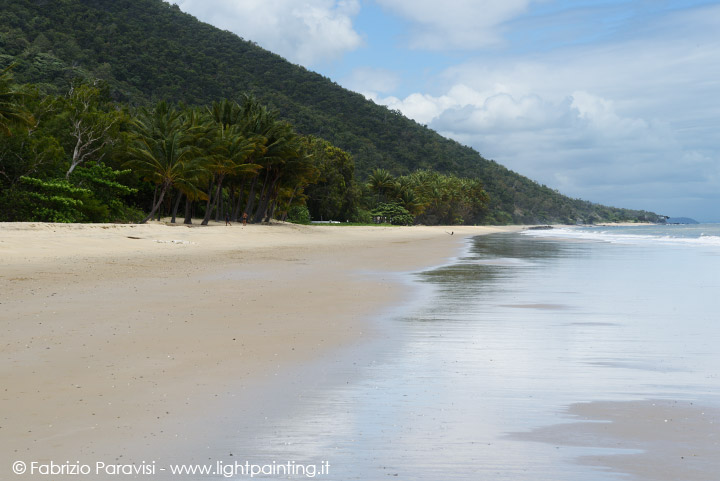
116	338
135	343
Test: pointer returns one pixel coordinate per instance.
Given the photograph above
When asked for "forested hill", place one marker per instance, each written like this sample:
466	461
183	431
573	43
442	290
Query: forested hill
148	50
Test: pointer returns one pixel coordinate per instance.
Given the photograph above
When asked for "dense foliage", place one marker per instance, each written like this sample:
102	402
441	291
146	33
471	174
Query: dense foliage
147	51
80	157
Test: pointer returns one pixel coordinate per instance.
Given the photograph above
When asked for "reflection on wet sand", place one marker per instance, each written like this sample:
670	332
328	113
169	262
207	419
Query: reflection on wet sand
549	307
664	440
502	341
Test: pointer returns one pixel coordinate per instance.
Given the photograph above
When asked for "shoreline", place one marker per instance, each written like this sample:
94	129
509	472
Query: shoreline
121	336
664	427
648	439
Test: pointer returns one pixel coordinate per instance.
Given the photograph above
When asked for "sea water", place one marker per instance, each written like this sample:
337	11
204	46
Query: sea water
501	340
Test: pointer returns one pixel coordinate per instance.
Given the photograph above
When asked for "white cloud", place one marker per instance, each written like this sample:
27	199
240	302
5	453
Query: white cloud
420	107
372	81
308	32
574	144
630	123
456	24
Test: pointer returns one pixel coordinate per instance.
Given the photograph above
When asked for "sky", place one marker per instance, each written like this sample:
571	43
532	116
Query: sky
612	101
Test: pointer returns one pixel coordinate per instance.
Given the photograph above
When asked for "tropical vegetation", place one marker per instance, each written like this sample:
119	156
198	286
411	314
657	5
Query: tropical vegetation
81	157
159	108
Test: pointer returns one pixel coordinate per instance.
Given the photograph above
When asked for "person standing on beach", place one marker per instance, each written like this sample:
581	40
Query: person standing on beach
244	219
227	219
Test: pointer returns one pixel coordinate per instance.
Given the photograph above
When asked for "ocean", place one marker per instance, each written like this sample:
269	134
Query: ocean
498	344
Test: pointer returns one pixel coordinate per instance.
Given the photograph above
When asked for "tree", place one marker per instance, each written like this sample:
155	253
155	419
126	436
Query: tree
282	146
163	152
442	199
298	173
56	201
279	148
107	187
90	125
381	182
196	127
393	213
29	152
333	195
231	149
12	111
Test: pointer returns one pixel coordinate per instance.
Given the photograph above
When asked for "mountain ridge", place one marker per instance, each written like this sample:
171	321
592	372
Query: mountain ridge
149	50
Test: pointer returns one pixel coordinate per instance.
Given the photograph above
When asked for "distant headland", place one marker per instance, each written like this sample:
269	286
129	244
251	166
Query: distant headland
681	220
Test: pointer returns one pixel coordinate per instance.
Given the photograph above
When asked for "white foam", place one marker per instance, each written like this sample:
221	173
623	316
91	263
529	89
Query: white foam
618	236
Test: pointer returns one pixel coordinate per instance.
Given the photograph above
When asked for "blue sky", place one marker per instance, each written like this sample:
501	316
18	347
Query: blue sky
612	101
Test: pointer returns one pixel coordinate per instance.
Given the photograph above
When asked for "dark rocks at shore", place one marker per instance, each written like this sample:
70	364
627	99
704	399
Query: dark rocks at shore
540	227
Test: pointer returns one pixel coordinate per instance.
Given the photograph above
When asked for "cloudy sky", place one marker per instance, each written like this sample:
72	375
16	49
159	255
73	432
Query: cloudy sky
613	101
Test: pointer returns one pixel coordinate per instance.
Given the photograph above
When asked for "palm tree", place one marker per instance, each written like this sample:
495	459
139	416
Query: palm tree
297	172
282	145
197	129
381	182
231	149
277	142
229	157
11	111
163	153
257	121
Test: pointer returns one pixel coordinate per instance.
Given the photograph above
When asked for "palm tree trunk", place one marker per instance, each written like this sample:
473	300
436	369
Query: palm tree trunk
273	200
251	196
271	210
219	204
188	211
208	205
262	211
289	204
208	212
231	202
261	200
154	196
157	205
262	203
219	200
175	207
236	210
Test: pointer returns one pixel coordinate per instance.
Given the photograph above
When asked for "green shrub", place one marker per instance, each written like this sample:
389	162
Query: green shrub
362	217
394	213
299	214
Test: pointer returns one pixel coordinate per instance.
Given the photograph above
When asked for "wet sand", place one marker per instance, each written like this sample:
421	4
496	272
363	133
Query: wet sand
666	440
502	340
119	340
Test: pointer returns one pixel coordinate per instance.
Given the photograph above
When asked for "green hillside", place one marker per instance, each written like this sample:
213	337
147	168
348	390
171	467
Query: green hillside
148	50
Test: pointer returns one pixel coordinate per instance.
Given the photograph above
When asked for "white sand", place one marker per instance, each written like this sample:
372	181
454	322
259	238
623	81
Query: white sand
116	337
